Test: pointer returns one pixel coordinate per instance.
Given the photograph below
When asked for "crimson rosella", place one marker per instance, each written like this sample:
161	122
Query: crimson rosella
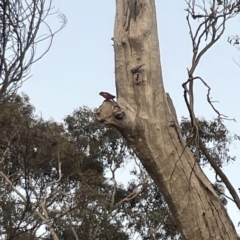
107	95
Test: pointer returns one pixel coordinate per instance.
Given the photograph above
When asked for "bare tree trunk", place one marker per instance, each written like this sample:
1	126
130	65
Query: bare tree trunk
146	118
53	233
48	221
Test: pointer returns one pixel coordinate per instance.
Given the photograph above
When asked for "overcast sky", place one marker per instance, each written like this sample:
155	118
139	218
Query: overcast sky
80	64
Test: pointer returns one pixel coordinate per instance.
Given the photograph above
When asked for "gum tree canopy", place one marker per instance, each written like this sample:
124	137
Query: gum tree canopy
146	118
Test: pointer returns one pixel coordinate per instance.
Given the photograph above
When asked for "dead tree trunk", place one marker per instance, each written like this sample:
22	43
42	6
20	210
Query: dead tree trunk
145	116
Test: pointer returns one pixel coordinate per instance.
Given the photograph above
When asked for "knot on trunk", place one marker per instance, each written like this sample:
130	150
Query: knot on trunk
110	113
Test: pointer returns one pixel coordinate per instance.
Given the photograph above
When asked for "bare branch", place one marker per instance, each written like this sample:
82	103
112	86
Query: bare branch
220	173
212	22
22	28
212	18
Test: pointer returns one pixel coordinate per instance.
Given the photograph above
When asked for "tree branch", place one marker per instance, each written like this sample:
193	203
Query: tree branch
220	174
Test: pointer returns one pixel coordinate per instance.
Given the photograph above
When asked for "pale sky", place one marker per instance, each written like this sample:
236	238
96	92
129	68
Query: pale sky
80	64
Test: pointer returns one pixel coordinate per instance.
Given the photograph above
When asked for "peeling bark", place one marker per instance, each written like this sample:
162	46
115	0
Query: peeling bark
145	116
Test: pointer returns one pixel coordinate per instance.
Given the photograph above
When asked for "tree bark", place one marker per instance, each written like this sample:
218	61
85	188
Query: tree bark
145	116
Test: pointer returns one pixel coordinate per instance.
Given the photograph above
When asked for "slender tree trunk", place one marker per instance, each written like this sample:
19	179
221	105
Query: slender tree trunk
48	221
145	116
53	233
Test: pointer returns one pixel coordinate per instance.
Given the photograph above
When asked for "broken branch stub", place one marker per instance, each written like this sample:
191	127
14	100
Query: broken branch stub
110	113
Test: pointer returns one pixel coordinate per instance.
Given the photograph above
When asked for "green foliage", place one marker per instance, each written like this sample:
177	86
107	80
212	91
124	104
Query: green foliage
217	139
150	216
71	167
214	135
220	190
63	165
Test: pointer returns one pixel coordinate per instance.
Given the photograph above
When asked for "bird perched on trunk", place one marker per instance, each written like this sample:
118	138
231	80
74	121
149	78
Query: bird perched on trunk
107	96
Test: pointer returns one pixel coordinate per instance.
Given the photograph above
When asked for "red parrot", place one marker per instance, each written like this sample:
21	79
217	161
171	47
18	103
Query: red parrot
107	95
